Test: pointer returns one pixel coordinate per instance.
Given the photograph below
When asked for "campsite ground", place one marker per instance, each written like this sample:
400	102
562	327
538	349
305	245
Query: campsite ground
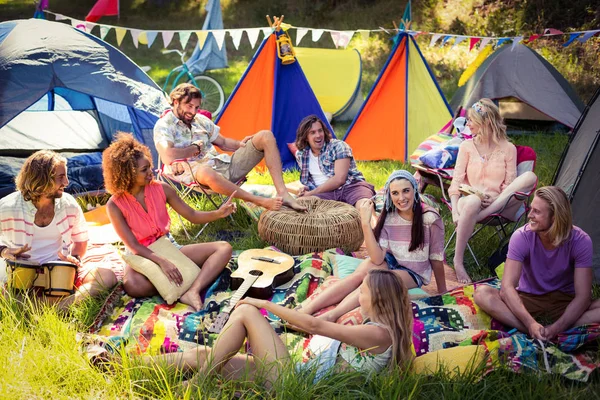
39	356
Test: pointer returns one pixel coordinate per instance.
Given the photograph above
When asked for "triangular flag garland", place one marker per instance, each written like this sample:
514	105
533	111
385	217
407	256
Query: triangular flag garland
340	38
515	42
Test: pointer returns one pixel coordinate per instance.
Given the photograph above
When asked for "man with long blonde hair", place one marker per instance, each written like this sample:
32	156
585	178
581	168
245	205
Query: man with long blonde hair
547	281
41	223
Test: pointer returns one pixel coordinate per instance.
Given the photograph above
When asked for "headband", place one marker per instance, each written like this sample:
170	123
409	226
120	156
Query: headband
400	174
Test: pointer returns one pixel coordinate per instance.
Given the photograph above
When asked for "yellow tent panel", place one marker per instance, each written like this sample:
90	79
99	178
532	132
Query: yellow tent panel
334	75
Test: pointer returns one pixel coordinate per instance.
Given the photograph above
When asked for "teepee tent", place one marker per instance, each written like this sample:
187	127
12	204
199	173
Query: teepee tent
526	86
578	173
270	96
405	106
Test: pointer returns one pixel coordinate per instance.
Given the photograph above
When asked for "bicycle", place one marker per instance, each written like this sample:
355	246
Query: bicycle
213	97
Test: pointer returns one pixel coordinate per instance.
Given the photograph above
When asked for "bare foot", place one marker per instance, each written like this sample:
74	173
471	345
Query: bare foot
291	202
192	298
461	274
272	204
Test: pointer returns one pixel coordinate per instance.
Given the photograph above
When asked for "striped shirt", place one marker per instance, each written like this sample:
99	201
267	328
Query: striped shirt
17	216
395	239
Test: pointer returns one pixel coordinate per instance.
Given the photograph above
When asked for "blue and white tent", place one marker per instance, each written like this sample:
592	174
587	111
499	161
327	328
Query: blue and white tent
68	91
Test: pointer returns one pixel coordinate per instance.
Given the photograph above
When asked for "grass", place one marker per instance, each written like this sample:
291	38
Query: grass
39	353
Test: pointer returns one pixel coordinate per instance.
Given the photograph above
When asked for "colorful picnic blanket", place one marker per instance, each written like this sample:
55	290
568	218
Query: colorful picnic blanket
149	326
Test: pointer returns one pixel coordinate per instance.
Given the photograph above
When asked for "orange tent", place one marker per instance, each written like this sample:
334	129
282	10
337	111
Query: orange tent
405	106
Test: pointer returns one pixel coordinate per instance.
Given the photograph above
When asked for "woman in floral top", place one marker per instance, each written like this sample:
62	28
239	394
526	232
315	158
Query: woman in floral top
487	163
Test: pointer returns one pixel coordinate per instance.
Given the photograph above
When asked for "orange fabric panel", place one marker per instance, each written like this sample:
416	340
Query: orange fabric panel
250	109
379	133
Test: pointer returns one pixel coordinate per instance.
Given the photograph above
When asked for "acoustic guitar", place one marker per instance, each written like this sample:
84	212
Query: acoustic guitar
259	271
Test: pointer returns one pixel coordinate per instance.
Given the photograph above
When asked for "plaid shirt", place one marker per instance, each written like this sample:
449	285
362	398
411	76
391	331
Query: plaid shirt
17	215
332	151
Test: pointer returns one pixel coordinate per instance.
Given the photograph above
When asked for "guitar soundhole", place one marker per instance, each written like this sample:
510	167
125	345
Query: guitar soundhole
255	273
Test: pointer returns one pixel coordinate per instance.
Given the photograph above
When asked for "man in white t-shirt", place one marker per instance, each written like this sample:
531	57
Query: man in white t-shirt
41	223
327	167
183	134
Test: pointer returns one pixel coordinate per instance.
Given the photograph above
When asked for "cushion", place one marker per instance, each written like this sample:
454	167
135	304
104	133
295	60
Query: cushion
167	289
454	360
345	265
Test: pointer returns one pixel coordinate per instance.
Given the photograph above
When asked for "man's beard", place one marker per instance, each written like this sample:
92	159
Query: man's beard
182	116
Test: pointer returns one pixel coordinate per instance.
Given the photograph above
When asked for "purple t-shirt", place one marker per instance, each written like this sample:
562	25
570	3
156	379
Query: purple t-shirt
545	271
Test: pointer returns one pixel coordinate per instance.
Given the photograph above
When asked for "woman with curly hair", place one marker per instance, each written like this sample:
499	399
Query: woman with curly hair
138	212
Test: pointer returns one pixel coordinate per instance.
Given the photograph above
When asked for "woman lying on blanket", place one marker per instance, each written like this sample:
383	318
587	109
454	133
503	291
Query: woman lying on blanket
385	341
408	239
138	212
488	163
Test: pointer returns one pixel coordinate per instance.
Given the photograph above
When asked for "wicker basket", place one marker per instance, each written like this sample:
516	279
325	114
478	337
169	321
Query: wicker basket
327	224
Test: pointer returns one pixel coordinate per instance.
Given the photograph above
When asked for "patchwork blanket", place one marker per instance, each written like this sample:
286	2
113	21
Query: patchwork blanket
149	326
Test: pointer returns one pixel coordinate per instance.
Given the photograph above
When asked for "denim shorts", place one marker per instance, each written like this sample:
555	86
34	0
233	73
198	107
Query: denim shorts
393	265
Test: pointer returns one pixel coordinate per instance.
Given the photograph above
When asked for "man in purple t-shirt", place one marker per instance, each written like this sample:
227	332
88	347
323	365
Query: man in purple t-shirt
548	273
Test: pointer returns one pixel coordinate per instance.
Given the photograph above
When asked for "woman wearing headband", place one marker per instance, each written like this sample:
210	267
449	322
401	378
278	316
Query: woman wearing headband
408	239
488	163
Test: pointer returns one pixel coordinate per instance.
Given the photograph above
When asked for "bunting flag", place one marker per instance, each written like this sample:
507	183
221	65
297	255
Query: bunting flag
446	39
89	26
151	35
572	37
316	34
341	38
516	41
236	37
184	36
458	40
135	34
120	35
501	41
434	39
473	41
300	33
219	35
552	31
484	42
587	35
253	36
364	34
104	31
202	36
532	38
102	8
60	17
167	36
267	31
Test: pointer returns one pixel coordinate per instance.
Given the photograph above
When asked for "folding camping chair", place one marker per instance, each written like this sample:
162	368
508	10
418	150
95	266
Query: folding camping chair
526	159
186	189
